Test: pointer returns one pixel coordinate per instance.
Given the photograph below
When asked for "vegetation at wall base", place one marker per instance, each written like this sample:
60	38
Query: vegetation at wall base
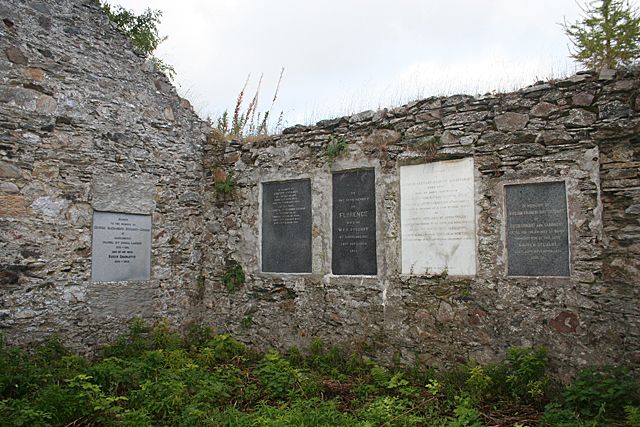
154	376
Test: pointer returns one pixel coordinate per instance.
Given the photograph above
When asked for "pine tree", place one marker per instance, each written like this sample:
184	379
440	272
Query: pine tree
607	36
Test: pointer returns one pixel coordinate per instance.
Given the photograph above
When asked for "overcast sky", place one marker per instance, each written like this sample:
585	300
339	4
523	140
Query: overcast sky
345	56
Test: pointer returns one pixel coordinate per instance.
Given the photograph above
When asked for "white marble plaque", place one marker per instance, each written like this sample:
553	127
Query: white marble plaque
437	218
121	247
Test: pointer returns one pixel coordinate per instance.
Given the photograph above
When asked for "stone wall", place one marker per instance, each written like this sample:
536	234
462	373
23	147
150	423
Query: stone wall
86	123
582	131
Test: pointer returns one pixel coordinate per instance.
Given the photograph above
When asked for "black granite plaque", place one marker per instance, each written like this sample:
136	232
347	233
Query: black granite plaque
537	229
354	223
286	226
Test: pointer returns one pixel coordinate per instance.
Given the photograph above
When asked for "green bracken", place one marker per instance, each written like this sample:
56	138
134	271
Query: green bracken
155	376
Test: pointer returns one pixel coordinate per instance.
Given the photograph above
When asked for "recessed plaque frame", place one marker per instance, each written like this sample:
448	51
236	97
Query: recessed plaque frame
437	218
537	229
286	226
354	223
121	247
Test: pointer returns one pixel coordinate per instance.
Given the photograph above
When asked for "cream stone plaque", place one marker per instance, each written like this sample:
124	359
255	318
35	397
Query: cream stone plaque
437	218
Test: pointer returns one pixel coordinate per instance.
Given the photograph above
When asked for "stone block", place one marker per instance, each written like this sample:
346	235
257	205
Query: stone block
8	170
511	121
36	74
14	54
124	193
582	99
13	206
9	188
578	118
543	109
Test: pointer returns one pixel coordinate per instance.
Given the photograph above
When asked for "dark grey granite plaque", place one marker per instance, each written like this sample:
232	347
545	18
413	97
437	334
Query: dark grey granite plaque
121	247
537	229
354	223
286	226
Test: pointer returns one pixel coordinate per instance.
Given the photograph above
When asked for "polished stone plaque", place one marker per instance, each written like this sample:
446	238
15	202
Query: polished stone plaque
354	223
121	247
286	226
437	218
537	229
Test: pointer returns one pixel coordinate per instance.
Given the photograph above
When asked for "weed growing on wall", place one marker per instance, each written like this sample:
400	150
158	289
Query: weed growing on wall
428	146
225	186
247	122
336	147
155	376
233	276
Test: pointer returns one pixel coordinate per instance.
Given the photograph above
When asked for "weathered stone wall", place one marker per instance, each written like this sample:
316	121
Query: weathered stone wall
582	131
86	123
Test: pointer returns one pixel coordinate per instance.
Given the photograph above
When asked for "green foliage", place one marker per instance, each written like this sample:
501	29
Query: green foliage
465	415
611	388
278	376
165	68
233	277
336	148
141	29
132	344
632	415
556	416
164	337
526	375
221	348
154	376
385	408
226	186
197	335
309	412
246	322
479	382
607	36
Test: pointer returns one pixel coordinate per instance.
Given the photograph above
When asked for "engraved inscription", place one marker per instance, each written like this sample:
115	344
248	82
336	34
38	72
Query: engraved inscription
286	226
354	223
287	207
121	248
437	217
537	230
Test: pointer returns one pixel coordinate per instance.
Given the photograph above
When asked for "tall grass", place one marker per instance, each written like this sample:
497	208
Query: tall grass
249	121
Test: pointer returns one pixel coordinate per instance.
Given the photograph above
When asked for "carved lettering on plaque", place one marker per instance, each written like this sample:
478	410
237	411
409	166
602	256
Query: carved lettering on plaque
437	218
354	223
537	229
286	226
121	247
